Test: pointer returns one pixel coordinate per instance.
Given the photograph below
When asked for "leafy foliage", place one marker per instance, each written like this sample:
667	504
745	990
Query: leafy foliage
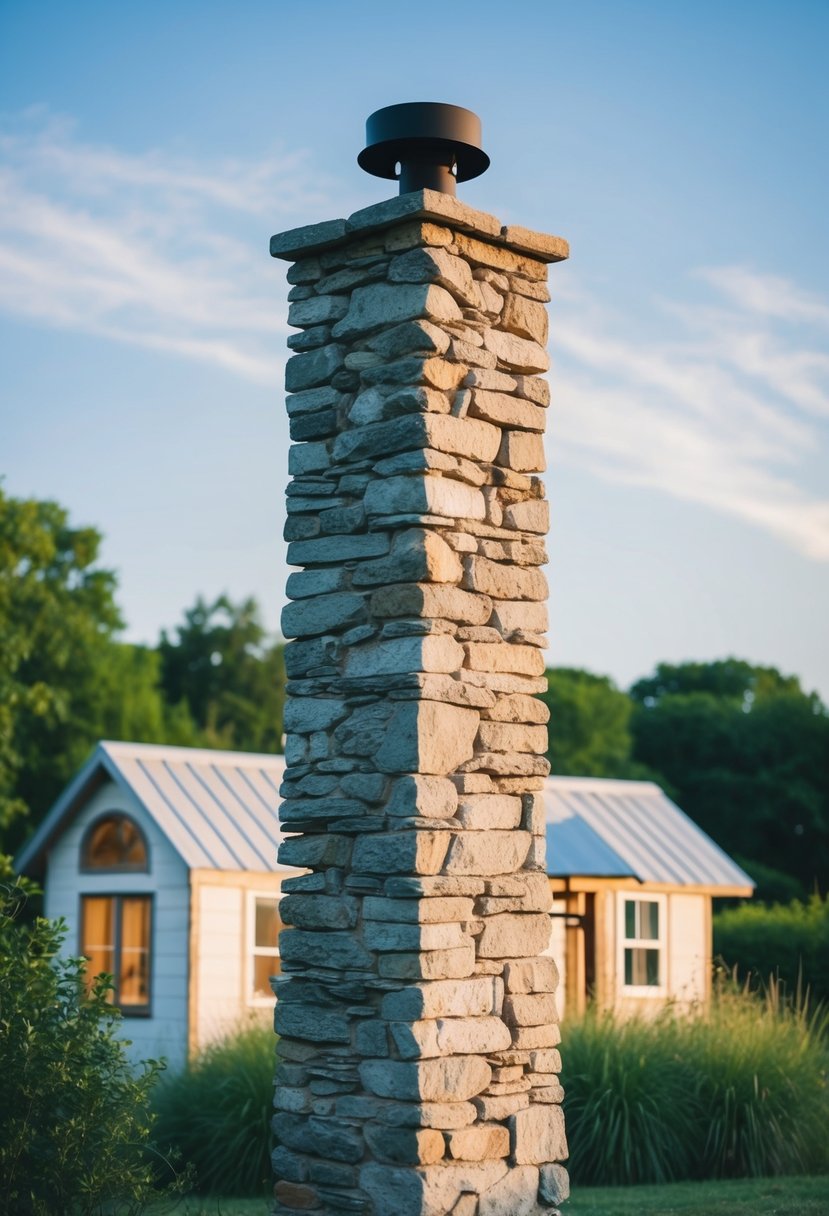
789	943
741	1089
74	1122
589	728
746	753
227	671
217	1113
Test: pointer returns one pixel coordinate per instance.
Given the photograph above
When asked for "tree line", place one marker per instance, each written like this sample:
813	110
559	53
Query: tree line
743	749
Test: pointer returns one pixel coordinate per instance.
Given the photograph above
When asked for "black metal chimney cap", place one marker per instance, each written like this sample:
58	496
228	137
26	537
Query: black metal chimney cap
423	131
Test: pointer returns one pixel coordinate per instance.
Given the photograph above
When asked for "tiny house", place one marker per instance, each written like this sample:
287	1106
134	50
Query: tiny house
162	861
633	880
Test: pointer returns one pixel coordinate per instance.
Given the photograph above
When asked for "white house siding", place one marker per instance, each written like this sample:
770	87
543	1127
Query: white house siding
164	1033
219	963
689	960
222	952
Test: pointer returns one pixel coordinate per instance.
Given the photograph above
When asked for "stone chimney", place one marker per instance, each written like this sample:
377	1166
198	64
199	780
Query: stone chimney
418	1069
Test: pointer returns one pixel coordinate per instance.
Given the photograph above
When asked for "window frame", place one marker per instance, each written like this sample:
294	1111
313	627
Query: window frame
659	943
252	950
85	868
127	1010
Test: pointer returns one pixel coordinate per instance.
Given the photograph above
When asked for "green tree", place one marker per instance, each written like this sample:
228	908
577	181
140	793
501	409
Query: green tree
57	616
74	1116
589	728
65	679
746	753
223	665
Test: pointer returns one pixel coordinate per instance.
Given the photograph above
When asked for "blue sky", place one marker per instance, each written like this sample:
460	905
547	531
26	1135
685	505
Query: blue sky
148	152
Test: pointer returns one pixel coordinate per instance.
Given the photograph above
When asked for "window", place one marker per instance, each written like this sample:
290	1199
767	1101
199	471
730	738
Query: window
115	938
264	925
642	943
114	842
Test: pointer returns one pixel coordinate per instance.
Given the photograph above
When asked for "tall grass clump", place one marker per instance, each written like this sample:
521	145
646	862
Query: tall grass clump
739	1089
217	1113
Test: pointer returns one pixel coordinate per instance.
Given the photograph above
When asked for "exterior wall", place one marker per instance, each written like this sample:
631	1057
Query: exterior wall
221	953
687	952
164	1032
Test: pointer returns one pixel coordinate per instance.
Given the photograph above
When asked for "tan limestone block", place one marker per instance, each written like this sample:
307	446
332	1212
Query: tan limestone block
429	965
504	657
391	656
526	318
484	853
481	253
538	1136
418	232
530	516
514	1195
535	1009
527	1038
433	494
545	1061
467	998
437	265
531	975
514	935
534	388
409	1146
496	1109
425	600
449	1036
509	737
485	812
386	304
504	410
502	582
439	910
479	1143
467	1205
427	737
469	437
512	615
516	354
417	555
518	708
523	451
547	247
552	1095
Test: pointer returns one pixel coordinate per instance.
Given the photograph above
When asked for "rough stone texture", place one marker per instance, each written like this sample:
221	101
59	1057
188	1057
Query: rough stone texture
419	1071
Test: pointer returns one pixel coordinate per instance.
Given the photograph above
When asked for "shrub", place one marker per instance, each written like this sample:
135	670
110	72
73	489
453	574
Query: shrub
217	1112
787	941
74	1122
740	1089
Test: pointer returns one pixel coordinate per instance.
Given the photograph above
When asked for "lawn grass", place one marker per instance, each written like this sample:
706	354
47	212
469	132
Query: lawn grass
737	1197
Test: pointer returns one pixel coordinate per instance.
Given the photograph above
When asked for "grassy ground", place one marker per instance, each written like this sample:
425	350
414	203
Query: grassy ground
744	1197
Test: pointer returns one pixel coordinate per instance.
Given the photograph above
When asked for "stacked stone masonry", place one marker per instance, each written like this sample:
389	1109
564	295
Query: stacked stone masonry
418	1062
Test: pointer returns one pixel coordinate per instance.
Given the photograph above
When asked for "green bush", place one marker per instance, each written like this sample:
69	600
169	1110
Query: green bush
789	942
738	1090
217	1113
74	1121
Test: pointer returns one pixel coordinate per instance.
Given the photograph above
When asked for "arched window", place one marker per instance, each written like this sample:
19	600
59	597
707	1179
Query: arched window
114	842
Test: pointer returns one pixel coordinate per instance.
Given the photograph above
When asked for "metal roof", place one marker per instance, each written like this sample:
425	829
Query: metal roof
219	810
630	829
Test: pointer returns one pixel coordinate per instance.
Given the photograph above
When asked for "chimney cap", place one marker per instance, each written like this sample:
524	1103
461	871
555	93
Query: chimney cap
430	141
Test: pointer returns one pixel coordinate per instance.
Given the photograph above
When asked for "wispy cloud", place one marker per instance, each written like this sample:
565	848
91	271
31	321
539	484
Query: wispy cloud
729	412
719	398
147	248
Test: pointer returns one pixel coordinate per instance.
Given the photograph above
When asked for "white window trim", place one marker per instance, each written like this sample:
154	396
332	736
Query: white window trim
660	944
256	1002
